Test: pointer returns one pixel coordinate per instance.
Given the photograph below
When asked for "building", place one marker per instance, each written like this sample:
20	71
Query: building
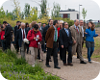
70	13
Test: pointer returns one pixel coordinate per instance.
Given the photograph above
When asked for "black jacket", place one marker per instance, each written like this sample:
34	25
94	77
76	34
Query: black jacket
19	37
64	39
45	30
15	30
8	32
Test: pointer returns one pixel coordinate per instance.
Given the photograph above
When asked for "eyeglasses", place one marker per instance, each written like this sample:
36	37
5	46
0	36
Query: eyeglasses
66	24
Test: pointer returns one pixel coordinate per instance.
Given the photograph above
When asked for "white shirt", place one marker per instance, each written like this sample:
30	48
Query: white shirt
22	33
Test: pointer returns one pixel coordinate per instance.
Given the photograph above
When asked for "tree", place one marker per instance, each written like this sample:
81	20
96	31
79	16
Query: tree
55	10
43	7
17	9
33	14
84	13
27	10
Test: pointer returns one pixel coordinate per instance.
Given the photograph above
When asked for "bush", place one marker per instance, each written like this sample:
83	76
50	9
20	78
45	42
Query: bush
13	68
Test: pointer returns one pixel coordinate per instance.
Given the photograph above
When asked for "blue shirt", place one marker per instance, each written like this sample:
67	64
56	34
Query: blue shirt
90	34
66	31
76	28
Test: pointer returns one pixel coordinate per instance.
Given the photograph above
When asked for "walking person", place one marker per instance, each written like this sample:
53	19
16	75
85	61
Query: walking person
8	35
90	33
20	36
34	36
51	43
76	33
2	33
66	42
15	32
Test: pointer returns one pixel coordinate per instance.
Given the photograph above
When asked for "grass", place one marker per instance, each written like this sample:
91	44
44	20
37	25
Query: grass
13	68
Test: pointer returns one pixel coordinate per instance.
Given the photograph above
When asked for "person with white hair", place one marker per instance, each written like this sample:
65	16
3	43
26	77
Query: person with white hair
21	35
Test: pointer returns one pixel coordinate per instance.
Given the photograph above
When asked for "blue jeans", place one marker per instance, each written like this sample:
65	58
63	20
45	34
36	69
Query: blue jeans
90	51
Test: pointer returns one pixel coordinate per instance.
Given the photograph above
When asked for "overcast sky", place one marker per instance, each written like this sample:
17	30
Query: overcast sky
93	10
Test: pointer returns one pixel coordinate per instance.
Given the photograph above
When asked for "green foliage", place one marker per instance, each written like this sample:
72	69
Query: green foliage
27	10
84	12
18	69
55	10
43	7
70	22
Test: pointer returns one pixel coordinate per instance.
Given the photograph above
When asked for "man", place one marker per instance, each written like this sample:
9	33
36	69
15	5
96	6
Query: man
83	31
66	42
8	35
76	33
58	29
30	26
51	39
47	27
15	31
43	25
50	23
20	36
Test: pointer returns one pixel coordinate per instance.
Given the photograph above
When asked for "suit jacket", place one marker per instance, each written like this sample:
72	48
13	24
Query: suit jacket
19	37
49	38
45	30
74	32
15	30
64	39
8	32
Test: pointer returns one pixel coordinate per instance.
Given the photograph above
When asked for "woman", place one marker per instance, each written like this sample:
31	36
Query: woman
90	33
2	33
34	36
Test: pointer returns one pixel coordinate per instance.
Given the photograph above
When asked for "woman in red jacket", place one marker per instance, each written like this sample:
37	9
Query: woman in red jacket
34	36
2	33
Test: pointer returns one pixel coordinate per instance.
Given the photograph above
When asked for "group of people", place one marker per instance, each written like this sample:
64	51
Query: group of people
56	37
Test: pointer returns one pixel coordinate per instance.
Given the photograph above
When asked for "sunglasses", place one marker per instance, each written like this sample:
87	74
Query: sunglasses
66	24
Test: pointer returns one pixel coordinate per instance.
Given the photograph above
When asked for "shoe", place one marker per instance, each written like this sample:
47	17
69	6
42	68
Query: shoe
48	66
70	64
57	67
65	64
50	60
82	62
90	62
33	65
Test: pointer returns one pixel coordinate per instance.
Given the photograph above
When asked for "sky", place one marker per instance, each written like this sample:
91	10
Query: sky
93	10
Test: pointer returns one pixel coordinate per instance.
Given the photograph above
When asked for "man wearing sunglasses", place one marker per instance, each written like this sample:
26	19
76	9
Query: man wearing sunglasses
66	44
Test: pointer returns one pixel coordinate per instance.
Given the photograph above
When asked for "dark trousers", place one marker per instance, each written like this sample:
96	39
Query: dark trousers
3	44
63	52
43	47
38	54
7	43
17	47
54	52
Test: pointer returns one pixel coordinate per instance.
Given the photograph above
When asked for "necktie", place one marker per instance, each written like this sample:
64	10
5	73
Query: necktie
56	35
23	34
77	30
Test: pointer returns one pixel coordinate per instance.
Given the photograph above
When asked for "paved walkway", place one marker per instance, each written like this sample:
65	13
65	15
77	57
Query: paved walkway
76	72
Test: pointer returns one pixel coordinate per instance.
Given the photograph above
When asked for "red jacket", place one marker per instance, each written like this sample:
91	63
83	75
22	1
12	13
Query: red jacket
2	33
30	37
58	31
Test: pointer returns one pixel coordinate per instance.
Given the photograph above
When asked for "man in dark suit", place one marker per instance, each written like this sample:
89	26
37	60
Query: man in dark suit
15	31
65	39
51	39
20	36
45	30
8	35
